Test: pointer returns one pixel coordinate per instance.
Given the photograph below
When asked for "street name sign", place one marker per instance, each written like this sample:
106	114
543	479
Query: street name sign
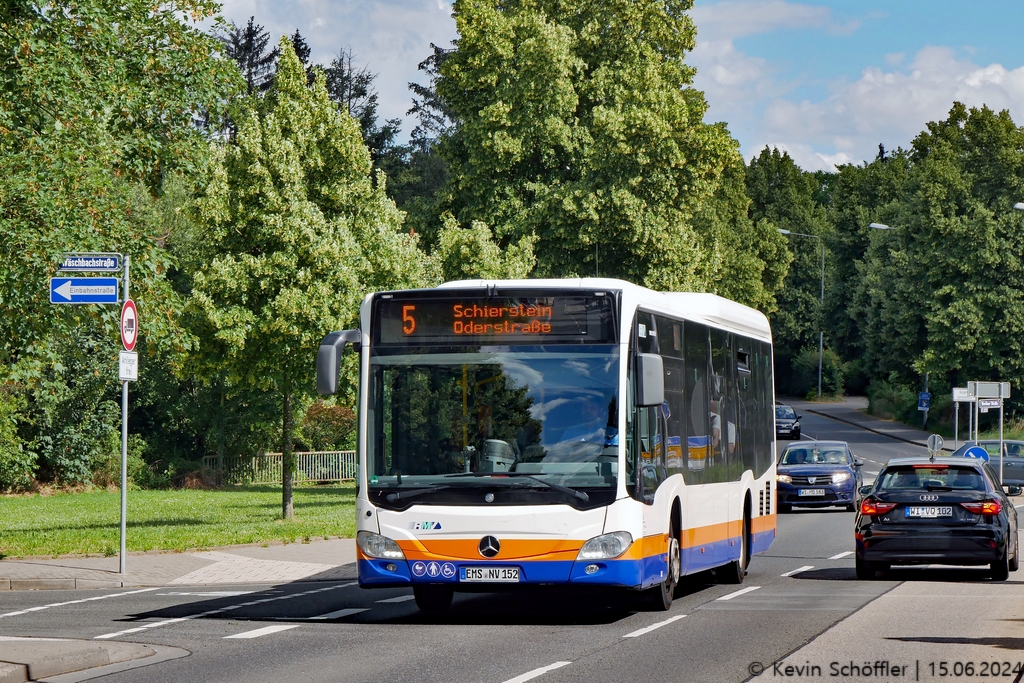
83	290
128	366
984	404
91	262
129	325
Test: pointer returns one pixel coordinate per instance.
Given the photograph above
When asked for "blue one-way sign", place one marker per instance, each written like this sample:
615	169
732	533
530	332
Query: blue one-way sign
83	290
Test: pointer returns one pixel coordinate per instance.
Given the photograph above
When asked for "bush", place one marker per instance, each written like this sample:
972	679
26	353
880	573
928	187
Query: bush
804	380
890	400
17	463
329	427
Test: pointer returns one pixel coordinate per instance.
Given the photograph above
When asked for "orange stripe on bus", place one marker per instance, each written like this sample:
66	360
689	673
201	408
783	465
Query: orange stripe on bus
511	548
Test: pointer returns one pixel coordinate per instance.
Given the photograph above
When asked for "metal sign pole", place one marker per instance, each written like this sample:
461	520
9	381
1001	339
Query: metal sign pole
124	440
956	424
1001	454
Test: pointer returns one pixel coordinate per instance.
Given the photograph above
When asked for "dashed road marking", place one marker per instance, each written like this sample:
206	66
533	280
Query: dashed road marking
146	627
841	555
211	594
537	672
265	631
791	572
652	627
738	593
400	598
74	602
339	613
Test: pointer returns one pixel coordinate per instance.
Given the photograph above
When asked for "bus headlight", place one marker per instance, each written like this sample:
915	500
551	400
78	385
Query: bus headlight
606	546
375	545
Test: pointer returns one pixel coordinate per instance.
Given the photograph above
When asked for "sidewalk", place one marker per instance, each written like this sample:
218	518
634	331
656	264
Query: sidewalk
853	410
332	560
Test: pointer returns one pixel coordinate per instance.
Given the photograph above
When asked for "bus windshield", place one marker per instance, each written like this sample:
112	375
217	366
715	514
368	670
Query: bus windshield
455	416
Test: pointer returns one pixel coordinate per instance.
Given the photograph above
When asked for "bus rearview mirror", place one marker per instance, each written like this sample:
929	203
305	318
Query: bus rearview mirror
650	374
328	359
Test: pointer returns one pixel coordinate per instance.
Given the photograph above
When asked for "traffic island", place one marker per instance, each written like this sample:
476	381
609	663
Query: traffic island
61	660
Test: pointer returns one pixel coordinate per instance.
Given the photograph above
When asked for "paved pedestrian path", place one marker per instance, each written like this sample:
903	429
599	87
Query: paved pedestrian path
318	561
853	410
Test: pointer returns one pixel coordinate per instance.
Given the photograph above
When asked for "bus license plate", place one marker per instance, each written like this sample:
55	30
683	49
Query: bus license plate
489	574
812	492
930	511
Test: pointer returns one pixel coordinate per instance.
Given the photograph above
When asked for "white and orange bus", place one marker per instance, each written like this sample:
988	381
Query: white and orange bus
578	432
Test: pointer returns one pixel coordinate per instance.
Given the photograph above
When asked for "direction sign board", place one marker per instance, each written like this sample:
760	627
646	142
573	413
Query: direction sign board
989	389
924	401
94	262
83	290
129	325
962	395
128	366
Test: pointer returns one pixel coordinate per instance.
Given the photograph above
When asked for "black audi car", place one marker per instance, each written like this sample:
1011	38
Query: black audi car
787	423
947	510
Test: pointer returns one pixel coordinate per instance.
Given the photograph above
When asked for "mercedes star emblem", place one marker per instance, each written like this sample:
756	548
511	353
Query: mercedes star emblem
489	546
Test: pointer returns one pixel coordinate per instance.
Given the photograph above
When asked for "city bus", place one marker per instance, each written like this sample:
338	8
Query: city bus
583	432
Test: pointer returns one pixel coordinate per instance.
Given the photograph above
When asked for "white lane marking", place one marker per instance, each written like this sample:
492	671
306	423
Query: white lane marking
74	602
537	672
212	594
400	598
841	555
146	627
738	593
1019	506
791	572
873	474
648	629
340	613
265	631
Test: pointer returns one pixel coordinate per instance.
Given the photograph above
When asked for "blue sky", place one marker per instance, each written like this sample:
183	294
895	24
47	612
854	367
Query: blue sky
827	81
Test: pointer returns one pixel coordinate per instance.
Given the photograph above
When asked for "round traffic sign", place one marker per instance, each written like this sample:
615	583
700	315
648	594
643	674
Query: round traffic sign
976	452
129	325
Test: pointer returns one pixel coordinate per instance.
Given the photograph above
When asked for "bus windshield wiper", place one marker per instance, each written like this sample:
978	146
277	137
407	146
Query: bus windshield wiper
392	497
522	475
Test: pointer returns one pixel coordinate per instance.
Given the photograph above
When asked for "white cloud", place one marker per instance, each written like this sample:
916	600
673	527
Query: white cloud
389	36
889	107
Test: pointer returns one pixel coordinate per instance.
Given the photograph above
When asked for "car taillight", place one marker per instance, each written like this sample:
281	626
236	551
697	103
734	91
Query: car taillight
874	507
984	507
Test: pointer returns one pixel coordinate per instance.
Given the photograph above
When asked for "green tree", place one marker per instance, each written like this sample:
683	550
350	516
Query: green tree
784	195
297	232
577	123
465	253
944	292
97	107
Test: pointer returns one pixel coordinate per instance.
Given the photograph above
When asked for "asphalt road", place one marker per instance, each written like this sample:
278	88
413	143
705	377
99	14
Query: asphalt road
338	632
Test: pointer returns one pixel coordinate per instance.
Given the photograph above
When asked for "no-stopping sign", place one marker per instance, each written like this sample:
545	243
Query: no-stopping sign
129	325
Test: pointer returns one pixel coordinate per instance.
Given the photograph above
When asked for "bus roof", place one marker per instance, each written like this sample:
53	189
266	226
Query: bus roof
700	307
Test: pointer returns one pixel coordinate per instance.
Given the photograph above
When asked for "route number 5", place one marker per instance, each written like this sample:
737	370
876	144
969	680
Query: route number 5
408	322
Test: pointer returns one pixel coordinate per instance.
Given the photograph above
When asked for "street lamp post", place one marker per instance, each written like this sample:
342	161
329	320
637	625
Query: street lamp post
821	331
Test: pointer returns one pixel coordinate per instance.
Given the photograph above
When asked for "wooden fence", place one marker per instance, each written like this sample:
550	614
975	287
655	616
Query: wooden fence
266	468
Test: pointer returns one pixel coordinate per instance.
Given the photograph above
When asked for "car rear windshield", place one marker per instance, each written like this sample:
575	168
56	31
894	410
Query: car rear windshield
907	477
814	456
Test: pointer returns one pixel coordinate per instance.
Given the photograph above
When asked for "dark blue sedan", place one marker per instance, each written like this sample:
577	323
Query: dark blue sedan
818	474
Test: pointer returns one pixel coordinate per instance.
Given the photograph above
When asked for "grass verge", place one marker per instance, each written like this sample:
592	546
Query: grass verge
87	523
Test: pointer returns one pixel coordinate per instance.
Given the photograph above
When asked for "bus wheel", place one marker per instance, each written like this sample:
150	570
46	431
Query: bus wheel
663	594
433	598
737	569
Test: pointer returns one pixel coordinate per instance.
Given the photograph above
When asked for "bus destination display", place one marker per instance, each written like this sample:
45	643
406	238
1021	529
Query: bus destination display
496	320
